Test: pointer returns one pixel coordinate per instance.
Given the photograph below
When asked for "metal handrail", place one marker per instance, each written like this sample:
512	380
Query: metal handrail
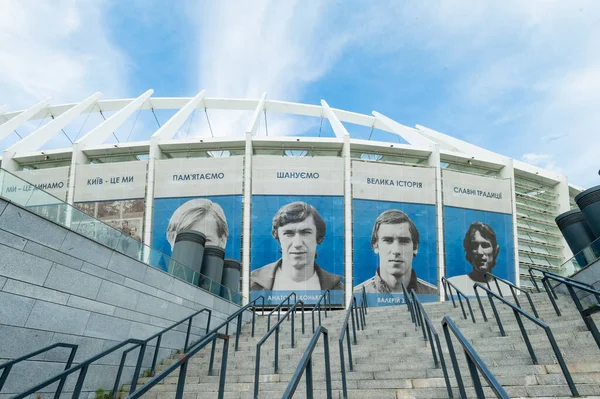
158	337
512	290
587	317
549	288
357	313
364	297
306	365
8	365
427	325
547	272
518	312
275	329
182	364
409	305
278	308
474	362
211	337
448	288
326	296
83	369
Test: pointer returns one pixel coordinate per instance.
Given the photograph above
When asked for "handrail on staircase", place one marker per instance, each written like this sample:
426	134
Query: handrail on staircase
158	337
182	365
275	329
549	273
448	289
512	290
409	305
571	286
278	308
83	368
8	365
363	293
306	365
358	314
326	297
427	326
474	362
518	312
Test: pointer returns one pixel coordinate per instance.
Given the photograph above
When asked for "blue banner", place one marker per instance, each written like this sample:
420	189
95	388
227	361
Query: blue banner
394	243
297	245
477	242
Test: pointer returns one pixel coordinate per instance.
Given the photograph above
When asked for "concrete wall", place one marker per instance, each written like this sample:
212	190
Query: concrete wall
58	286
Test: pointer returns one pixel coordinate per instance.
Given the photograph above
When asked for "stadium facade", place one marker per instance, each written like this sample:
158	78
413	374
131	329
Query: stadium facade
465	207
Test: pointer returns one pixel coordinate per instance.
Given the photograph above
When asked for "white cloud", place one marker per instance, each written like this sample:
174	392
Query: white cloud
278	47
57	49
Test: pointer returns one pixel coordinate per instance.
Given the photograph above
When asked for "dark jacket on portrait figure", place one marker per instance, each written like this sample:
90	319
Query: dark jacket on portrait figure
376	285
264	278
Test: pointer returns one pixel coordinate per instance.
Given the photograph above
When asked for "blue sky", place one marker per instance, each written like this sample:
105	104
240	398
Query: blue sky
521	78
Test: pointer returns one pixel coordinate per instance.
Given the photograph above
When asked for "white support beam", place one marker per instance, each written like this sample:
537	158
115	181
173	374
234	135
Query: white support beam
9	126
337	126
463	146
410	135
3	108
39	137
100	133
253	126
168	130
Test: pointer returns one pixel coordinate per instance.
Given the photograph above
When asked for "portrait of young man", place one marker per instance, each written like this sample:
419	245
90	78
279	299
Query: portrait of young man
481	251
202	215
299	229
395	239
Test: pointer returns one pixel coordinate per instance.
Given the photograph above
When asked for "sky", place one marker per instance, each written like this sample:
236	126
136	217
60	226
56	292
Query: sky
521	78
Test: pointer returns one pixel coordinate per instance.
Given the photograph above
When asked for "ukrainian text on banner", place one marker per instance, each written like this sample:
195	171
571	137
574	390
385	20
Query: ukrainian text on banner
297	228
43	191
478	230
394	232
202	194
113	193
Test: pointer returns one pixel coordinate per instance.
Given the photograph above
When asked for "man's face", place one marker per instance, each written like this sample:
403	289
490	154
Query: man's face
208	226
481	254
395	249
298	243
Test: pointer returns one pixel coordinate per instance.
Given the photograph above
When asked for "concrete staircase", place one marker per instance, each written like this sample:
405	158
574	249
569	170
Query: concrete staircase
391	359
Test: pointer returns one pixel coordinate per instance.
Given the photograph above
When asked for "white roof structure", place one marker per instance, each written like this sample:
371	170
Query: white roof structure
420	138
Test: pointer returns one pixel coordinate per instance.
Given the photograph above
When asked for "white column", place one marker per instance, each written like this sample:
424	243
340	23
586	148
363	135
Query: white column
348	274
36	139
247	207
9	126
508	172
434	162
165	132
154	154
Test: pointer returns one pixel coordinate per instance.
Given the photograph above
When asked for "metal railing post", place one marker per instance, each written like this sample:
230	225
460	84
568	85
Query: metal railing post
459	380
223	372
